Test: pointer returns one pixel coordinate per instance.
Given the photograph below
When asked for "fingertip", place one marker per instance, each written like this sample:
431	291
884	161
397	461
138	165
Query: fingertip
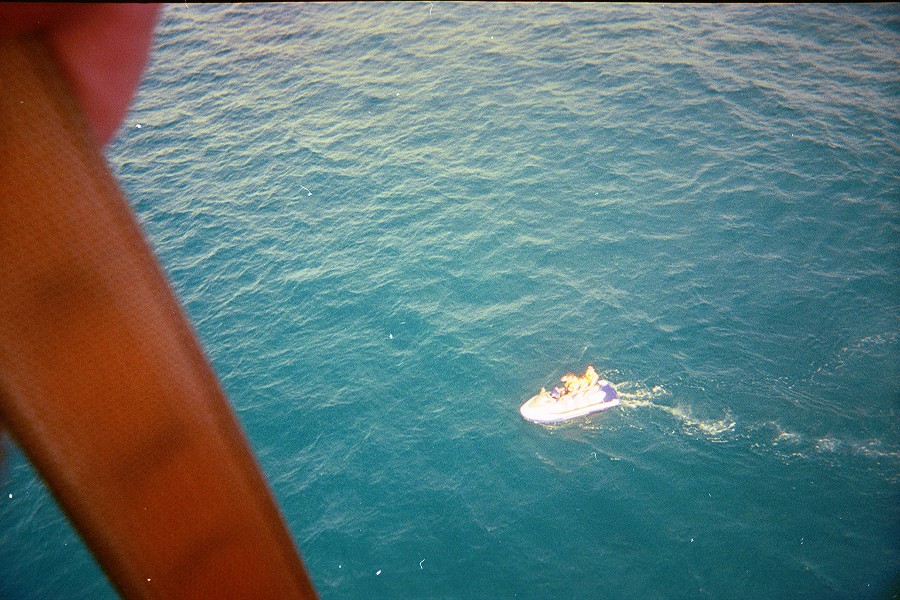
102	53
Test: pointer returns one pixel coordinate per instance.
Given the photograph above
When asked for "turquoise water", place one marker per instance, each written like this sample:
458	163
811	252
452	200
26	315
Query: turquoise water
391	224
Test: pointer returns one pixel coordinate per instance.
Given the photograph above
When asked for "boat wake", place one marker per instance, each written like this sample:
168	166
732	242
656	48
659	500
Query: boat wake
634	396
768	437
791	446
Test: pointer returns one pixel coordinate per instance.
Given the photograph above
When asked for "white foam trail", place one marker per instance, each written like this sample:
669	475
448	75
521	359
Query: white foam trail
643	398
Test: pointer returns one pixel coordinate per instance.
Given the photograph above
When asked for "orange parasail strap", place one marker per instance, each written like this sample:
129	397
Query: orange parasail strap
102	381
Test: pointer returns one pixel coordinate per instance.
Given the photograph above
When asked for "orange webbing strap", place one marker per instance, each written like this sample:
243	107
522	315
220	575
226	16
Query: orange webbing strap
102	381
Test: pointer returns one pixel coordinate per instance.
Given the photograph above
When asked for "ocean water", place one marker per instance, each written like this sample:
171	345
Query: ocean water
391	224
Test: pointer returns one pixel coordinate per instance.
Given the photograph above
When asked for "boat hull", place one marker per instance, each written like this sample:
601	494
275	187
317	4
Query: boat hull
543	408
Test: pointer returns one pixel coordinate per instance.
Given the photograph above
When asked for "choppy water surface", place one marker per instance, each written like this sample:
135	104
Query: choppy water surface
393	223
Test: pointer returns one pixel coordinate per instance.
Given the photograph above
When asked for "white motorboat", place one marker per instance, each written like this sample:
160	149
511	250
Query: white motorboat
545	408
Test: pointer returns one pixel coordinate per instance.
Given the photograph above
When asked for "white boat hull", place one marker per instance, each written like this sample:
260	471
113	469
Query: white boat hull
543	408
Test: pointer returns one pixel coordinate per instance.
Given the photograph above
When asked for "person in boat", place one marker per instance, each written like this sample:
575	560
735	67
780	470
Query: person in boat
575	383
572	382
